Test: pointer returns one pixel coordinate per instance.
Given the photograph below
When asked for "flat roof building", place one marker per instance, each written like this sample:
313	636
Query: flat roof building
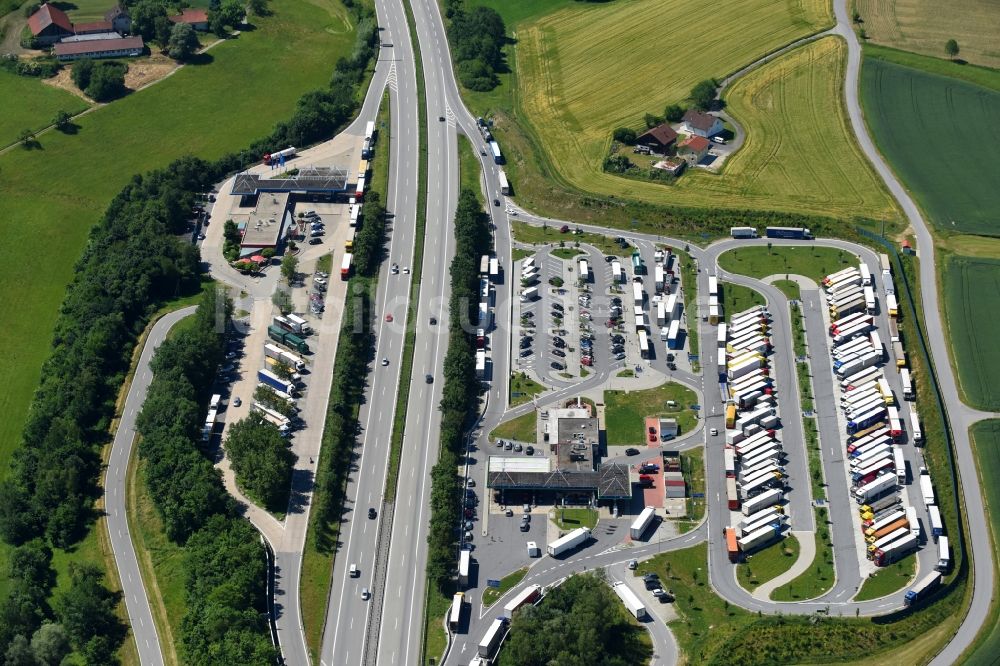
266	225
120	47
317	180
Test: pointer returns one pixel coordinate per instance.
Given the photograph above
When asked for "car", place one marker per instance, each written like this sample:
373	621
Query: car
558	342
586	360
651	576
469	513
508	446
525	353
385	360
406	270
470	483
559	352
429	379
620	339
564	229
322	274
387	45
658	592
670	358
558	306
528	315
388	317
652	437
315	241
468	525
556	365
371	513
441	119
518	448
718	139
526	508
316	233
617	349
619	356
652	430
319	280
394	269
525	341
526	517
354	572
365	594
529	450
496	202
509	513
482	152
632	564
434	321
201	236
714	432
631	452
500	442
608	259
671	366
525	527
237	402
649	467
468	535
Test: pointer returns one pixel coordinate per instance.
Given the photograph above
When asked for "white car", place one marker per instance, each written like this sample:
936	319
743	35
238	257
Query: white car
406	269
714	432
319	280
385	360
394	269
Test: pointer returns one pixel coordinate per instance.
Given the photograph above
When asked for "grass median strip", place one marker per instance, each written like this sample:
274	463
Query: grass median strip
889	580
820	577
507	583
768	563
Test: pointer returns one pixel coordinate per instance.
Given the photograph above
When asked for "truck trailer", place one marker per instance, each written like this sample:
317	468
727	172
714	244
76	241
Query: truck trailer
762	501
569	541
760	538
743	232
642	522
629	598
895	551
922	589
875	488
800	233
528	595
276	382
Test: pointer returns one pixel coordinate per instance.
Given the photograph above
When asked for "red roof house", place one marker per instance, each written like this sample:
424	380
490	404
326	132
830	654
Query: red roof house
49	24
658	139
196	18
694	148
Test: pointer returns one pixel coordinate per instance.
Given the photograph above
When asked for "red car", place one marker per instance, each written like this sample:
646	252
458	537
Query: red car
564	229
652	436
388	317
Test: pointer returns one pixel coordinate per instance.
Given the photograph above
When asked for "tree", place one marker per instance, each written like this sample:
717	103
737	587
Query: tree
674	112
282	300
82	69
261	460
951	48
87	608
107	81
258	7
146	18
703	94
625	135
26	138
652	121
289	266
50	644
183	42
19	653
62	121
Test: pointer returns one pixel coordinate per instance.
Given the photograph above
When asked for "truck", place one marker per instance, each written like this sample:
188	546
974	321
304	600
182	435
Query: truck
584	270
895	551
617	274
529	294
504	183
872	535
276	382
280	355
848	333
495	150
673	335
638	295
854	365
730	415
865	420
891	305
853	305
866	274
768	456
674	305
480	364
911	518
491	640
886	391
642	522
528	595
860	377
760	484
744	367
762	501
833	277
886	541
661	313
755	522
944	555
922	589
874	488
279	422
880	504
345	266
732	547
926	486
900	464
568	541
355	214
872	469
732	496
899	354
869	300
729	455
276	156
484	266
287	338
629	598
760	538
464	561
907	382
638	266
849	320
658	278
455	615
743	232
799	233
937	525
883	519
887	284
494	269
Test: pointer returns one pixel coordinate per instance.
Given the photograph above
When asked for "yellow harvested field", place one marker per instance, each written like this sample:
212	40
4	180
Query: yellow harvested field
585	70
924	26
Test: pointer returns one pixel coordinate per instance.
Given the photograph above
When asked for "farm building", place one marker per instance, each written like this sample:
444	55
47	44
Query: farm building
49	25
92	28
196	18
117	47
119	19
672	166
701	124
694	149
658	140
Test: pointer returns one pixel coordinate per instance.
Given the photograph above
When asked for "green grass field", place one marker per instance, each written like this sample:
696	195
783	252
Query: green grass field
919	25
971	290
521	429
942	136
525	386
768	563
819	578
986	439
810	261
36	105
93	10
737	298
572	518
50	197
789	288
491	594
626	411
888	580
528	233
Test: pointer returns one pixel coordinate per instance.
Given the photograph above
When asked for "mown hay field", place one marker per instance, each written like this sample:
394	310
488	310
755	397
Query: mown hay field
942	136
582	73
972	303
31	105
922	26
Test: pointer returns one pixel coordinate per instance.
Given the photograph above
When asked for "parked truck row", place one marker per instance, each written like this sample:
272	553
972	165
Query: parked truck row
754	458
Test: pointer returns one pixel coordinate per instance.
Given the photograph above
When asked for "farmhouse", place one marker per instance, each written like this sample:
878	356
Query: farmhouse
658	140
119	19
701	124
49	25
196	18
116	47
694	149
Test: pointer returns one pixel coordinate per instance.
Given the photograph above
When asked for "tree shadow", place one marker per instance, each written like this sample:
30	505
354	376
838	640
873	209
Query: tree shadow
199	59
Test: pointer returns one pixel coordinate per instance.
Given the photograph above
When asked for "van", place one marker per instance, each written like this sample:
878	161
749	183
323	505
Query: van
353	572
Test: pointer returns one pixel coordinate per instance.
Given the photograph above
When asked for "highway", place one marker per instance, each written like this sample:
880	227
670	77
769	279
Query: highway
115	488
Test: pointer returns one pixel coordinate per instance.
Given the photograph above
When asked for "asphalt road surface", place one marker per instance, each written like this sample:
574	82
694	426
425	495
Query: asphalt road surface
136	602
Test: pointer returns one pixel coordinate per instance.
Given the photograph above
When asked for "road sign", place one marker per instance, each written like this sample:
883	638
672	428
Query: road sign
492	582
